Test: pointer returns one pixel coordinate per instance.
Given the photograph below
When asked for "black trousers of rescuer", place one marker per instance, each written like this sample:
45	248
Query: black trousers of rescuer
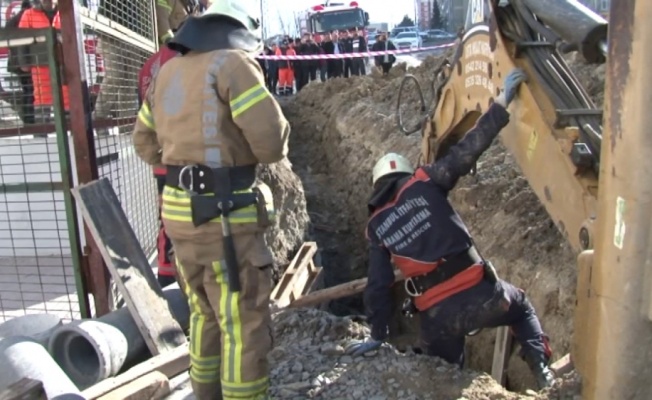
486	305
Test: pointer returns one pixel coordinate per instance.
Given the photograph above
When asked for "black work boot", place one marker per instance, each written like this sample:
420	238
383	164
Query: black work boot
538	364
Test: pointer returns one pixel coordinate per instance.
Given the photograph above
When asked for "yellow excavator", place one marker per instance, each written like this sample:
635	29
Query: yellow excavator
590	168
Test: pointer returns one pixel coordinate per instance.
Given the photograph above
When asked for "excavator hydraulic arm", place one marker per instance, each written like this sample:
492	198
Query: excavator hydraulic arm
555	128
555	136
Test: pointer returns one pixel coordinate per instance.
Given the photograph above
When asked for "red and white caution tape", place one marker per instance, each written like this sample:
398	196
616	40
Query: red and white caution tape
354	55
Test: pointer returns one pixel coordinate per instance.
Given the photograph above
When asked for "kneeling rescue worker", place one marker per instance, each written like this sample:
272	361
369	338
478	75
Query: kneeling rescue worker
455	290
201	118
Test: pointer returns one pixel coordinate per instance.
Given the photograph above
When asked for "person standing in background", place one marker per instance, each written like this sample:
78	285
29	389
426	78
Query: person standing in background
26	101
358	45
384	62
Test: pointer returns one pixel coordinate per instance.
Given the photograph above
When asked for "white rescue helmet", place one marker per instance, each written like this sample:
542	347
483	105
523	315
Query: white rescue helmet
391	163
247	12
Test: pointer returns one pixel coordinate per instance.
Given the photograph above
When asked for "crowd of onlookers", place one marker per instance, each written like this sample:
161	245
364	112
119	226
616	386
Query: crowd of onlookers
283	77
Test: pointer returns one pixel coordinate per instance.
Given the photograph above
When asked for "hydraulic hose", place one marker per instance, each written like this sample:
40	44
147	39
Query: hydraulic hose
399	115
553	73
438	82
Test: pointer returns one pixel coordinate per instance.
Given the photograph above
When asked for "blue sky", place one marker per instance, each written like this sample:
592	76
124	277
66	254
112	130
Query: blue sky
379	10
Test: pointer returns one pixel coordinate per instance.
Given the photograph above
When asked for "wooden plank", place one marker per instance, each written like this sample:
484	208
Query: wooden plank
153	386
24	389
563	366
332	293
170	364
128	265
296	277
502	351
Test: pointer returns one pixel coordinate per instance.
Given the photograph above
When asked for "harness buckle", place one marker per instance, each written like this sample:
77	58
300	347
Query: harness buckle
411	288
190	189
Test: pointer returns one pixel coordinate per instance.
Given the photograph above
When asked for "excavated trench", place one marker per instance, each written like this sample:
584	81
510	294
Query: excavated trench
340	128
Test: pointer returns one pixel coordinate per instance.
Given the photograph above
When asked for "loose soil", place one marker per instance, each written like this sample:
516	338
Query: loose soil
340	128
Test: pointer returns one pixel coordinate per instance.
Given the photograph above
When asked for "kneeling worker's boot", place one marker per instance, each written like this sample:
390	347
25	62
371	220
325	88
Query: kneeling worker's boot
538	364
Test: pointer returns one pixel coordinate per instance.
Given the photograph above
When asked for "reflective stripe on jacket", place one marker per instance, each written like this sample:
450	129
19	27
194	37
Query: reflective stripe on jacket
176	207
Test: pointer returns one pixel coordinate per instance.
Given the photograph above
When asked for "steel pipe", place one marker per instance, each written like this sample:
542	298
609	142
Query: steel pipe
92	350
574	23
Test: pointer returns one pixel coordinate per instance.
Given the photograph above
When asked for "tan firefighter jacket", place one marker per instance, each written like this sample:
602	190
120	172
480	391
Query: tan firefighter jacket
211	108
169	15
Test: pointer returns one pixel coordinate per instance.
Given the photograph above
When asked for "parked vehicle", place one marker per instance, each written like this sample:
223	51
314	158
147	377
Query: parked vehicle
323	18
408	40
400	29
440	35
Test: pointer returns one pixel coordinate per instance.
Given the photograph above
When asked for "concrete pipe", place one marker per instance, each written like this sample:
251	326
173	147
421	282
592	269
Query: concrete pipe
92	350
22	357
36	326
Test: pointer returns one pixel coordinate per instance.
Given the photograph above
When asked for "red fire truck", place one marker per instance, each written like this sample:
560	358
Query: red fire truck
327	17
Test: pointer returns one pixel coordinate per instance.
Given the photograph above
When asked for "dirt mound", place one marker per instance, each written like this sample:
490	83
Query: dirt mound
291	225
308	361
341	127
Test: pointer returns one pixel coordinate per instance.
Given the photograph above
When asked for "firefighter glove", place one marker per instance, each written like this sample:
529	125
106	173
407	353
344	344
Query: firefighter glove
362	347
512	82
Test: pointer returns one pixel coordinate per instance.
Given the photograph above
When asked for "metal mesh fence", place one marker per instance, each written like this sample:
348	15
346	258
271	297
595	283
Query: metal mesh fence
37	261
119	38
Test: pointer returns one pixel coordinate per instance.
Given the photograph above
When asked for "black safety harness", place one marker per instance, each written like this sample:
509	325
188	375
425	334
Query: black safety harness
447	268
212	196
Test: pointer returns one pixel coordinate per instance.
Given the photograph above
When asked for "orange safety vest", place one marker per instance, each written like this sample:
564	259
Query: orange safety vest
36	18
285	64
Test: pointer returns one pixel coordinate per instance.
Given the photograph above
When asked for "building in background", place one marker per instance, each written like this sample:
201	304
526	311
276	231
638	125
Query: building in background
423	14
378	26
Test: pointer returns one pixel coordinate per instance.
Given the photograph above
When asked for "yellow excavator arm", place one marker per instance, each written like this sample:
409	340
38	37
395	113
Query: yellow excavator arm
555	129
555	135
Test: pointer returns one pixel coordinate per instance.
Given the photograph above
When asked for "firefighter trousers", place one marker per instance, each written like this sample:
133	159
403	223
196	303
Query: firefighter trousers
486	305
230	333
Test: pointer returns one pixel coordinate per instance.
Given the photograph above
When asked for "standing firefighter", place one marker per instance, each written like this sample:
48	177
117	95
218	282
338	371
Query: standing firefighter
453	288
166	271
205	109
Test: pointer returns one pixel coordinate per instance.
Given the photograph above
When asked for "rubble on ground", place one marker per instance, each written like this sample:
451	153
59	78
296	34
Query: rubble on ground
308	361
340	128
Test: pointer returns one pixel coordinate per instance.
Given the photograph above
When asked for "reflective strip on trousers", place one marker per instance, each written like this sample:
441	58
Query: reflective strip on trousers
232	385
176	207
203	369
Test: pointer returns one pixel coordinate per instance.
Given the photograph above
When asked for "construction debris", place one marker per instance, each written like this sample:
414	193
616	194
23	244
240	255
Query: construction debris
24	389
128	265
339	130
92	350
22	357
308	361
341	127
170	364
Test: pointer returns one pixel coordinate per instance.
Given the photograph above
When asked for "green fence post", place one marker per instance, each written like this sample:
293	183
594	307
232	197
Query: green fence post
66	171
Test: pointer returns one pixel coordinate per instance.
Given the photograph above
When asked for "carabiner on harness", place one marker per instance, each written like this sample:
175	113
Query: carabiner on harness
411	288
190	189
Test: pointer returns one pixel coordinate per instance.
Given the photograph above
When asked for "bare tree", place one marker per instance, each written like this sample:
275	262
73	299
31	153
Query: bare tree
281	22
297	24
